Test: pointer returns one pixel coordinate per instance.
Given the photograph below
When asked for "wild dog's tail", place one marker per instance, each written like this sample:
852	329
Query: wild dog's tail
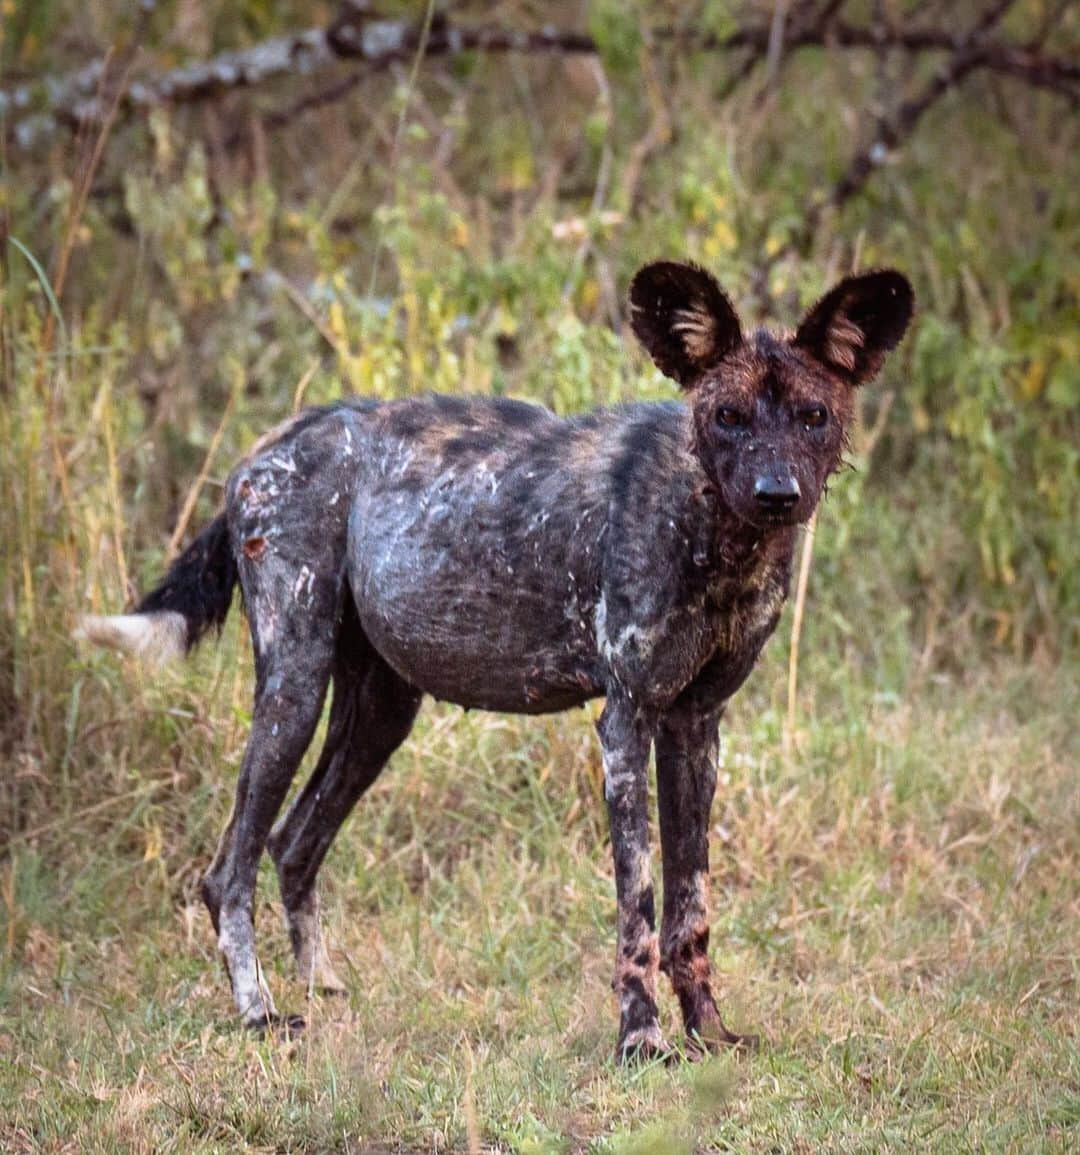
194	595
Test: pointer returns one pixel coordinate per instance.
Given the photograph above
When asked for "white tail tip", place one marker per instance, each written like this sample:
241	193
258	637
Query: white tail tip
157	638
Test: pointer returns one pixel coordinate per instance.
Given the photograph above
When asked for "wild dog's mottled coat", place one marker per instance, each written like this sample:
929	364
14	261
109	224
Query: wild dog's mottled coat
492	554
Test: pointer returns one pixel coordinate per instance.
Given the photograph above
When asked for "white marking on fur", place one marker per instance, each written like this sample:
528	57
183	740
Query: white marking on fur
250	989
697	327
615	649
843	341
272	436
158	637
304	587
619	777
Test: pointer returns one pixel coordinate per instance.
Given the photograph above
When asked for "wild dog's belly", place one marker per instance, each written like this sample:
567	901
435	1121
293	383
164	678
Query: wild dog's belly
477	588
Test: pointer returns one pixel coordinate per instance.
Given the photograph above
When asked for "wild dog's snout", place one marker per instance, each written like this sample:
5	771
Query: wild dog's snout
777	492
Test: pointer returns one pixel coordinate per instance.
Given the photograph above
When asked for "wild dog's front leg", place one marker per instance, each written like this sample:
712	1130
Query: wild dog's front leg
686	755
625	739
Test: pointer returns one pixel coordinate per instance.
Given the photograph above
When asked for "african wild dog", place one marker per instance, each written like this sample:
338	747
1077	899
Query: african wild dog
489	553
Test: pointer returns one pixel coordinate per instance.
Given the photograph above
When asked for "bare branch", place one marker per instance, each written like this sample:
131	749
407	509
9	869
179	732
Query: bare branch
894	130
969	52
38	107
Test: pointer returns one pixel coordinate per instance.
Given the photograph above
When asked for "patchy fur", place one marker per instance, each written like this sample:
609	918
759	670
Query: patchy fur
492	554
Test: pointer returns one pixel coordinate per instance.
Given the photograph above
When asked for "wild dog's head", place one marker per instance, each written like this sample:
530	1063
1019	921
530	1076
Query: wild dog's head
770	411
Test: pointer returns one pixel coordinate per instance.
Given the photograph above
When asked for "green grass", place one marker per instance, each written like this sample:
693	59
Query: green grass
896	909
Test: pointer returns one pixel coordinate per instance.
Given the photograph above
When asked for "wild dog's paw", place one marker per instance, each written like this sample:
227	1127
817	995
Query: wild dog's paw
713	1038
643	1045
281	1028
323	979
328	985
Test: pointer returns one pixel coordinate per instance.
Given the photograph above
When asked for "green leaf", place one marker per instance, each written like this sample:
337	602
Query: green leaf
615	26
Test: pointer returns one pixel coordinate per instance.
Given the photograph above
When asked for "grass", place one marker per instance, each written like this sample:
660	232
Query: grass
895	904
896	908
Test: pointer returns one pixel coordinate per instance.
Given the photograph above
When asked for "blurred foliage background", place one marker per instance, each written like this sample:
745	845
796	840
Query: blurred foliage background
180	273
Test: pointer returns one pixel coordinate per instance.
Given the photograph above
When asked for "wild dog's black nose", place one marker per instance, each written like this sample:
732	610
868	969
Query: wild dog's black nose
777	492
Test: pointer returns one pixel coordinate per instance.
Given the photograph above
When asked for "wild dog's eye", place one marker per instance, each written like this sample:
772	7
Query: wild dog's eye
814	417
730	418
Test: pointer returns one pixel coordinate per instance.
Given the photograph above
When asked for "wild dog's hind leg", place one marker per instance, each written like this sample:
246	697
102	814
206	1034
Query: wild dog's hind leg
289	538
371	714
291	687
686	755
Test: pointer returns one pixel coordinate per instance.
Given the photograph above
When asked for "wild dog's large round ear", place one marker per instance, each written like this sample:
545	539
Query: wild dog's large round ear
854	325
682	316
